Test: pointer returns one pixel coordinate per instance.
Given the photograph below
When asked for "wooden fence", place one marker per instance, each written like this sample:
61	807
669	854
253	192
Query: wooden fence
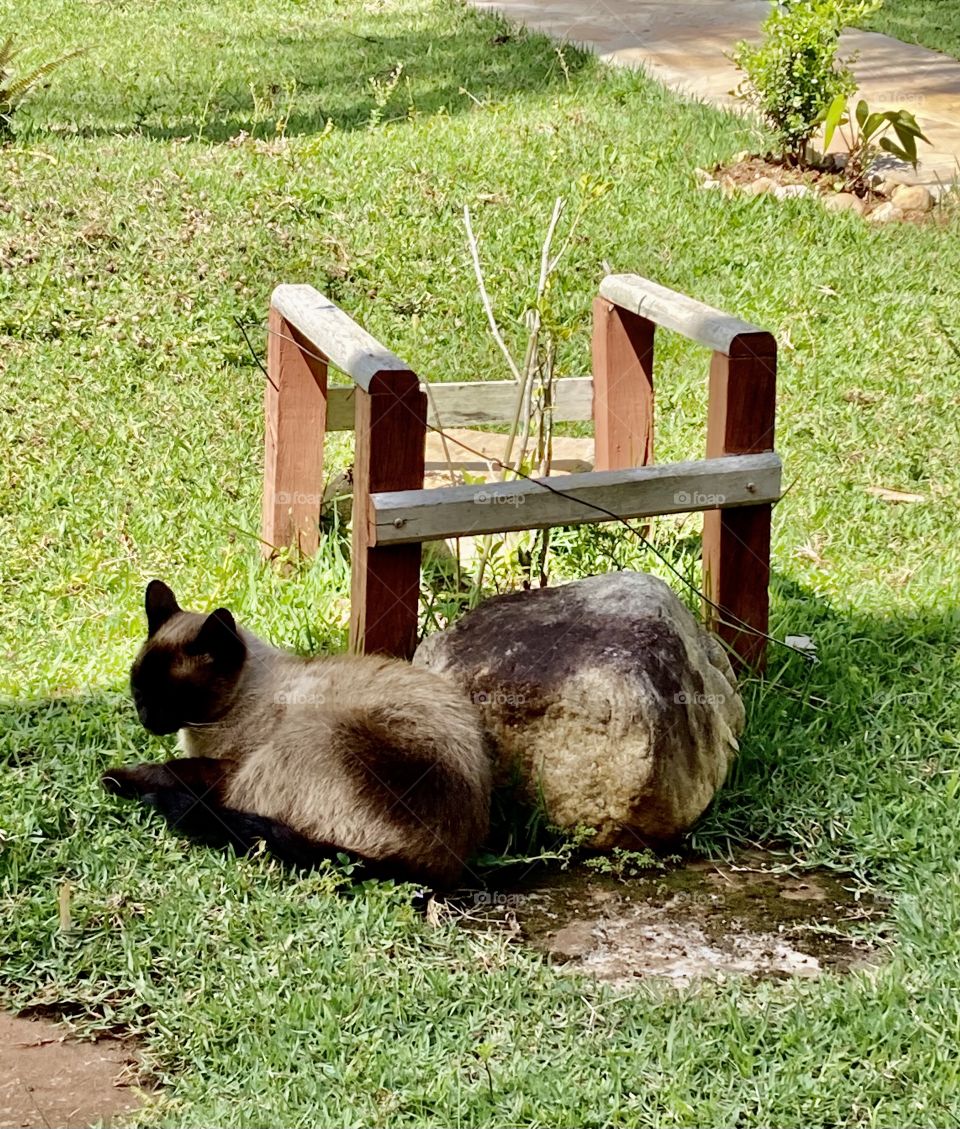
735	485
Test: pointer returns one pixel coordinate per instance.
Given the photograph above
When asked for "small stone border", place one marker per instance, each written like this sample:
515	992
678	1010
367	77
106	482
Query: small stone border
888	201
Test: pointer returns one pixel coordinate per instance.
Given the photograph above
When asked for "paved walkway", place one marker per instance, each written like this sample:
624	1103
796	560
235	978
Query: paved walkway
683	45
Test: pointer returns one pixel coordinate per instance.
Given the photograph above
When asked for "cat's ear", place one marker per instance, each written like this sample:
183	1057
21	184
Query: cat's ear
219	638
160	604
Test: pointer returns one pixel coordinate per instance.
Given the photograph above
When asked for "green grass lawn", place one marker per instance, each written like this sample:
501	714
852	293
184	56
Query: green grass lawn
932	23
159	189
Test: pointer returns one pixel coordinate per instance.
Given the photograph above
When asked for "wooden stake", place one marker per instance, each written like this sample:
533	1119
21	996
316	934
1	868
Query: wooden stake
295	410
385	590
736	542
622	387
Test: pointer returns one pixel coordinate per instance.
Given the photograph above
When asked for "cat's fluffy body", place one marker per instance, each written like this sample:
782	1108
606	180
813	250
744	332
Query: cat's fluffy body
365	752
368	754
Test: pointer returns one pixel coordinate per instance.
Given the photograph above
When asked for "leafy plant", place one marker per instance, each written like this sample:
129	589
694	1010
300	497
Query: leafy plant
383	89
14	88
793	75
866	134
621	863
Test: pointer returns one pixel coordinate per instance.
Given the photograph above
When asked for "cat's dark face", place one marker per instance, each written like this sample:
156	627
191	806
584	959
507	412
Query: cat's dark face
186	672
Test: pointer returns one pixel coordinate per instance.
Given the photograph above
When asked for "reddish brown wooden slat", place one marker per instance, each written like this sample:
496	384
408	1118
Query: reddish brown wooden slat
743	397
385	589
295	410
622	387
736	543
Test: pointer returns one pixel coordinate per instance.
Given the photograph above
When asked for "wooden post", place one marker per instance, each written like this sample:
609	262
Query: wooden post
736	542
622	387
295	407
385	588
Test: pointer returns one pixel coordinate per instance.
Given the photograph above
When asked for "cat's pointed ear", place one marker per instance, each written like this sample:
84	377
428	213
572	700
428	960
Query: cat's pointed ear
219	637
160	604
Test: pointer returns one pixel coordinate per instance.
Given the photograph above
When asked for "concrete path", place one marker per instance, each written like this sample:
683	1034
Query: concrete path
684	44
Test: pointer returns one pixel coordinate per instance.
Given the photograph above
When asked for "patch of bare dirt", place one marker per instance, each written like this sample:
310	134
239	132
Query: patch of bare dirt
879	200
48	1080
697	920
749	169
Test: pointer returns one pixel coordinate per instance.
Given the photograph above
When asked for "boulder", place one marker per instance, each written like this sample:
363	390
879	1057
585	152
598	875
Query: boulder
844	202
912	198
885	213
605	698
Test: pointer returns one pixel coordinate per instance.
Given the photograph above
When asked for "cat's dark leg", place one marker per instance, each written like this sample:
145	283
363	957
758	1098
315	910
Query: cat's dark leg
244	831
204	777
189	792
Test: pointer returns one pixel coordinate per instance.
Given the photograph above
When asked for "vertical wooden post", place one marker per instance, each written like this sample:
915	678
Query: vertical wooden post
622	387
385	587
736	542
295	407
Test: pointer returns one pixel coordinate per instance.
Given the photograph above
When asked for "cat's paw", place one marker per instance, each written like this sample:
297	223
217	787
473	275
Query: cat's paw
122	782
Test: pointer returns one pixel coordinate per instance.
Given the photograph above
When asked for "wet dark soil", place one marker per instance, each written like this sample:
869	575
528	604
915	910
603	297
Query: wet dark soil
749	917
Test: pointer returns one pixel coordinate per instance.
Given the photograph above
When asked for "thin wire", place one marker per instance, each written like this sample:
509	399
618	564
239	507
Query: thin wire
737	623
253	353
627	524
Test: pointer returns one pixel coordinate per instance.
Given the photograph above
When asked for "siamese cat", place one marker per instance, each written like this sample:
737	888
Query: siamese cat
366	756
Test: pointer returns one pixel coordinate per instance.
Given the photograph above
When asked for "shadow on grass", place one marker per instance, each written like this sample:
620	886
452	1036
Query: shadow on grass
841	760
850	756
296	84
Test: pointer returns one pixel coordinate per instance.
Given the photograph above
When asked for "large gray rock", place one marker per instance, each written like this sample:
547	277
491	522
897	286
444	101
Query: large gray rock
617	708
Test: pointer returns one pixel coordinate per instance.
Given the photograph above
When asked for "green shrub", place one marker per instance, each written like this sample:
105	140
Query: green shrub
793	75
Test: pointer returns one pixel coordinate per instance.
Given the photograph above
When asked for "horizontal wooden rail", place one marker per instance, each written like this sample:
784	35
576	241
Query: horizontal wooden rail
403	516
464	405
686	316
326	330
